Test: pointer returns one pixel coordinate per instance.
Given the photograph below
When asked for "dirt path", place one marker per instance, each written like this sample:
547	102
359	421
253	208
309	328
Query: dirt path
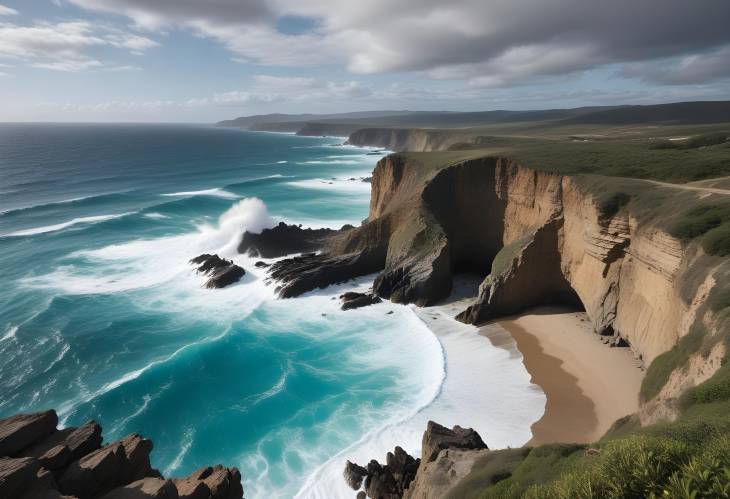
686	187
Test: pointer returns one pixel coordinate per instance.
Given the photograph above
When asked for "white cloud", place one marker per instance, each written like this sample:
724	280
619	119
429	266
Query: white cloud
65	46
7	11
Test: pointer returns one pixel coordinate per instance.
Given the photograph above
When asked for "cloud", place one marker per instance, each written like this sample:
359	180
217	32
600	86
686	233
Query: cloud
7	11
493	43
66	46
689	70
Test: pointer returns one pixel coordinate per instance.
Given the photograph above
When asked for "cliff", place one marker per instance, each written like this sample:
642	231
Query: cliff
408	139
536	237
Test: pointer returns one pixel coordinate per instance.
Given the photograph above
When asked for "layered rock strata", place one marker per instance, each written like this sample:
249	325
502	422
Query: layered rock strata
39	461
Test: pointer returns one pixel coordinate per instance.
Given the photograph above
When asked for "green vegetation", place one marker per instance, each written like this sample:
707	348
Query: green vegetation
709	220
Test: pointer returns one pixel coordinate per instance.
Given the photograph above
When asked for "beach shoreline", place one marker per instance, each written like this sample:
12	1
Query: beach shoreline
588	385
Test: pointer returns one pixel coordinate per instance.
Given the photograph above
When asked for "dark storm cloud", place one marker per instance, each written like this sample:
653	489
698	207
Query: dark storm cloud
493	42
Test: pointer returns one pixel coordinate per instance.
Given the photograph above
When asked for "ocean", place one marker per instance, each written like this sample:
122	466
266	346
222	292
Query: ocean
102	317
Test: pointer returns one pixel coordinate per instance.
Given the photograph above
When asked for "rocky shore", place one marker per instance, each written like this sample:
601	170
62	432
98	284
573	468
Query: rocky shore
40	461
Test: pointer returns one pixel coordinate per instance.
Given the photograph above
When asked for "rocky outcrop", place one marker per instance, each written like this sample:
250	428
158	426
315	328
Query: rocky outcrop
437	438
352	299
437	478
39	461
284	240
221	272
393	479
384	481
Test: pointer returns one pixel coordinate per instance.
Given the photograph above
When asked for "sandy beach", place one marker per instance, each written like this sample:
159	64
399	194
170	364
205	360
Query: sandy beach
588	384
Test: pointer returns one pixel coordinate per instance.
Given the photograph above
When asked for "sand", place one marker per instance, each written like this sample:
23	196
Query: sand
588	385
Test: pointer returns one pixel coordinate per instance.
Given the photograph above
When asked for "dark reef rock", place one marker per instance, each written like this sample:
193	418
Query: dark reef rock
437	437
311	271
283	240
221	272
388	481
38	461
261	265
354	475
352	299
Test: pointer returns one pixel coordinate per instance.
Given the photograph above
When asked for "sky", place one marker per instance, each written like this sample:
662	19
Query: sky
208	60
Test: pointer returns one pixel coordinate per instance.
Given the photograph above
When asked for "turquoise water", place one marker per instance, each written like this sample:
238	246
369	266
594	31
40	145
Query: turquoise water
101	317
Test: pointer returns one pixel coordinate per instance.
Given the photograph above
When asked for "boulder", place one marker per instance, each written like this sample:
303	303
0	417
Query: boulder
284	240
261	265
387	481
146	488
352	299
221	272
17	475
437	437
19	431
64	446
354	475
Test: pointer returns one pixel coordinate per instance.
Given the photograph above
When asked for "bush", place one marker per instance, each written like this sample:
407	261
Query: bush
717	241
700	220
634	467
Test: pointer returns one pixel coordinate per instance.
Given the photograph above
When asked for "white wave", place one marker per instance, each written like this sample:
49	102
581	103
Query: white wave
277	388
281	162
63	201
484	387
189	437
155	216
137	264
217	192
59	357
353	184
75	221
10	334
333	162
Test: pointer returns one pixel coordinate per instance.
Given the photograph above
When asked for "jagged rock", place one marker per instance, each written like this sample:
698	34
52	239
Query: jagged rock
437	437
261	265
311	271
352	299
387	481
283	240
17	475
361	495
146	488
219	483
111	466
222	272
437	478
64	446
19	431
354	475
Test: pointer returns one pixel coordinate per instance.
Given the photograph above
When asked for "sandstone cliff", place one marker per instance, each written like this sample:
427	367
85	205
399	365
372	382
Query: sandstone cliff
536	237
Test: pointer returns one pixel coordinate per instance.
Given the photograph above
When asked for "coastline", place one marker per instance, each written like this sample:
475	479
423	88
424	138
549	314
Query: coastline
588	385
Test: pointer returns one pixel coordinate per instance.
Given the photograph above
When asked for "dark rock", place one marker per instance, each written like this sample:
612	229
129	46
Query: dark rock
351	300
64	446
354	475
283	240
437	437
261	265
19	431
361	495
146	488
222	272
113	465
619	342
387	481
219	482
17	475
304	273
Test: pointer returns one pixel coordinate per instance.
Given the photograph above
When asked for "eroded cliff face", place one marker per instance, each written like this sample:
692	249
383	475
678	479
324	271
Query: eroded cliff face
406	139
536	237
